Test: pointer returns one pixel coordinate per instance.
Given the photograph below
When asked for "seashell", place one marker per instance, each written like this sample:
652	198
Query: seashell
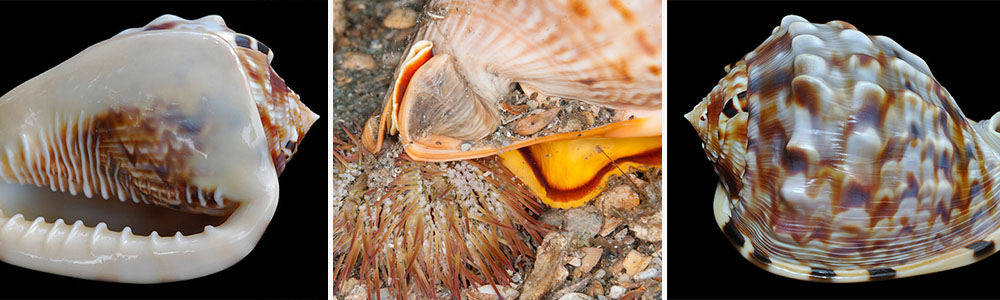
842	159
446	102
182	116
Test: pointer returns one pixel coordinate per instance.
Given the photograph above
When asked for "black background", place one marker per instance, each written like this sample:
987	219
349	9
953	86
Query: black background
958	42
290	261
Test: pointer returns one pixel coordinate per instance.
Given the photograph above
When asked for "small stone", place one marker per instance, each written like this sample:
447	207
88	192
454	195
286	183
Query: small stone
591	255
348	286
574	261
648	228
533	104
616	292
621	235
571	125
610	224
358	292
600	273
548	268
466	146
582	223
595	288
617	267
358	61
342	79
384	294
601	297
588	118
339	21
635	262
621	197
647	274
400	18
486	292
575	296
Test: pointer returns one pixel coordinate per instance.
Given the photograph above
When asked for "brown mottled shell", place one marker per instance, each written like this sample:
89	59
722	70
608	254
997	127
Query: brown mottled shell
842	159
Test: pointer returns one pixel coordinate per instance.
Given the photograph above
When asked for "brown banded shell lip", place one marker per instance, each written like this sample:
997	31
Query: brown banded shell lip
372	138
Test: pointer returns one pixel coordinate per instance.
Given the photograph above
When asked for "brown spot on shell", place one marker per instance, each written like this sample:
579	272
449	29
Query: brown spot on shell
655	70
647	47
579	8
626	14
621	66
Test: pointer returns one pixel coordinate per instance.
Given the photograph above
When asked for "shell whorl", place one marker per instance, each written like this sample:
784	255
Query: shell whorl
600	52
847	156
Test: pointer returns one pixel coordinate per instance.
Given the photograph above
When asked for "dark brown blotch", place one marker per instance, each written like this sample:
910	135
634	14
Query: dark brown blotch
760	257
733	234
881	273
822	273
981	248
242	41
729	110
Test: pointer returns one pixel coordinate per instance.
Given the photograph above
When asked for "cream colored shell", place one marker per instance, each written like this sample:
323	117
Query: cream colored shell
190	90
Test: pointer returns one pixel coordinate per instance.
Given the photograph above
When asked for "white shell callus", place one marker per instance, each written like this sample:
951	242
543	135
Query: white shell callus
182	115
842	159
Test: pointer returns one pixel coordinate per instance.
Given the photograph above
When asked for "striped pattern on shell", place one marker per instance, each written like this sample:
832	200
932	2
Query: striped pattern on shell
842	159
602	52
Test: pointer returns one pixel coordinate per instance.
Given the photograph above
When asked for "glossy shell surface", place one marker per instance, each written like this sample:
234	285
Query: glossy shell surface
183	115
842	159
467	55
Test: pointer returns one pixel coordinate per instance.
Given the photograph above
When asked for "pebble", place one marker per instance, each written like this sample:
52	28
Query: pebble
575	296
595	288
339	21
574	261
591	255
582	223
647	274
486	292
348	286
358	61
610	224
616	292
648	228
621	197
635	262
400	18
548	268
358	292
600	273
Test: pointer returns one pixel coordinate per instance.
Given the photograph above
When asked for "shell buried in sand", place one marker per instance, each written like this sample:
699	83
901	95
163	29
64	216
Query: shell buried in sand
179	125
575	58
842	159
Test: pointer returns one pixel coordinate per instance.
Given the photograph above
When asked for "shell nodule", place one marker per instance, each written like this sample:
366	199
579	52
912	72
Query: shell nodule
842	159
184	115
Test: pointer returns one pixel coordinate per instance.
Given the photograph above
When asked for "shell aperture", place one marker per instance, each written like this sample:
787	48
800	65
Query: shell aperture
842	159
179	114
